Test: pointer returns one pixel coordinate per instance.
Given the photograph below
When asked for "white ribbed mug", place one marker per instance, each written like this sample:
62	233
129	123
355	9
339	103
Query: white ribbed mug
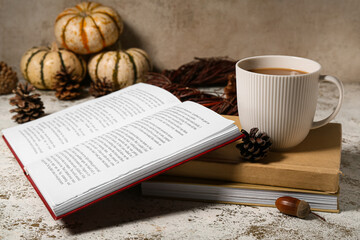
283	106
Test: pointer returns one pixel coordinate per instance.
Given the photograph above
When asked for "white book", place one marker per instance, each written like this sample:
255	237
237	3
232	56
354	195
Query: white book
237	193
92	150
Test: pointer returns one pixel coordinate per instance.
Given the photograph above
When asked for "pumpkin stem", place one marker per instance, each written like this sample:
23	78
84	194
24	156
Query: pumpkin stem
54	47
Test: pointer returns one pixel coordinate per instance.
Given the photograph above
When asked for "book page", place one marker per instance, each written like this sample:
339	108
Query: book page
75	124
124	151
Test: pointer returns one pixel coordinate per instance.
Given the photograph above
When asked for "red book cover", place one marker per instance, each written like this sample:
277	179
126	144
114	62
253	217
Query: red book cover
110	194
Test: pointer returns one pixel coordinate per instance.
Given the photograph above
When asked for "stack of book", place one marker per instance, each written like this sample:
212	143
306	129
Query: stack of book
309	172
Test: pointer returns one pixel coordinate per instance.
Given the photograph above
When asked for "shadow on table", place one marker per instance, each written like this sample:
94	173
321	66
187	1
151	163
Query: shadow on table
122	208
349	182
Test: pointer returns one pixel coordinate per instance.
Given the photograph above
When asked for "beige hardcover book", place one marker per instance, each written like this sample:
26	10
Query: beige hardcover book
313	165
234	193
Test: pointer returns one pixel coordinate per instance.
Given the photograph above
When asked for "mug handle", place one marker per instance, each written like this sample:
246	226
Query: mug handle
338	83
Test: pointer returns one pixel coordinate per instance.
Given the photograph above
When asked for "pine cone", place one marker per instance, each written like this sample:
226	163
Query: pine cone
29	106
254	147
8	79
68	85
101	87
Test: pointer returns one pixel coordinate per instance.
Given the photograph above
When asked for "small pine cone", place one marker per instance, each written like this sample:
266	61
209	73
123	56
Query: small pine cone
8	79
68	85
101	87
254	147
29	106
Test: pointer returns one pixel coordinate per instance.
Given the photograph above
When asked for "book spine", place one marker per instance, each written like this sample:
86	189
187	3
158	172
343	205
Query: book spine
255	174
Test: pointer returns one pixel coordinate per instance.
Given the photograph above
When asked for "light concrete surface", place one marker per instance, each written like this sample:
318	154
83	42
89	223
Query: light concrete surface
128	215
173	32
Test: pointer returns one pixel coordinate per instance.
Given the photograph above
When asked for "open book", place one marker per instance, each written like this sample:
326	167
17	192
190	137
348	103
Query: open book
87	152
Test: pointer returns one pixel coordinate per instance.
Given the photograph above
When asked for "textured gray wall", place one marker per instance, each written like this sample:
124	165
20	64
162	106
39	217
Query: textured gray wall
174	31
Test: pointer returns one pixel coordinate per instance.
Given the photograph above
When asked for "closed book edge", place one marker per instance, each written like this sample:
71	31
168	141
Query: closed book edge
221	191
314	164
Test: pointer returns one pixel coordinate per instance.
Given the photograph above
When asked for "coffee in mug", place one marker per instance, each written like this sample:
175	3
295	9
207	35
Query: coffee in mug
271	97
277	71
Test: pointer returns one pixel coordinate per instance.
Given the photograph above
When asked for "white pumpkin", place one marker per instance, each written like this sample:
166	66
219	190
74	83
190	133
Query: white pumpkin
88	27
39	65
122	68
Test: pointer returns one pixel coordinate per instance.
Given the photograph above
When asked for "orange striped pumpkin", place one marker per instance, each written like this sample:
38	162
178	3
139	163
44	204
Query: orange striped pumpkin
88	27
39	65
121	68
